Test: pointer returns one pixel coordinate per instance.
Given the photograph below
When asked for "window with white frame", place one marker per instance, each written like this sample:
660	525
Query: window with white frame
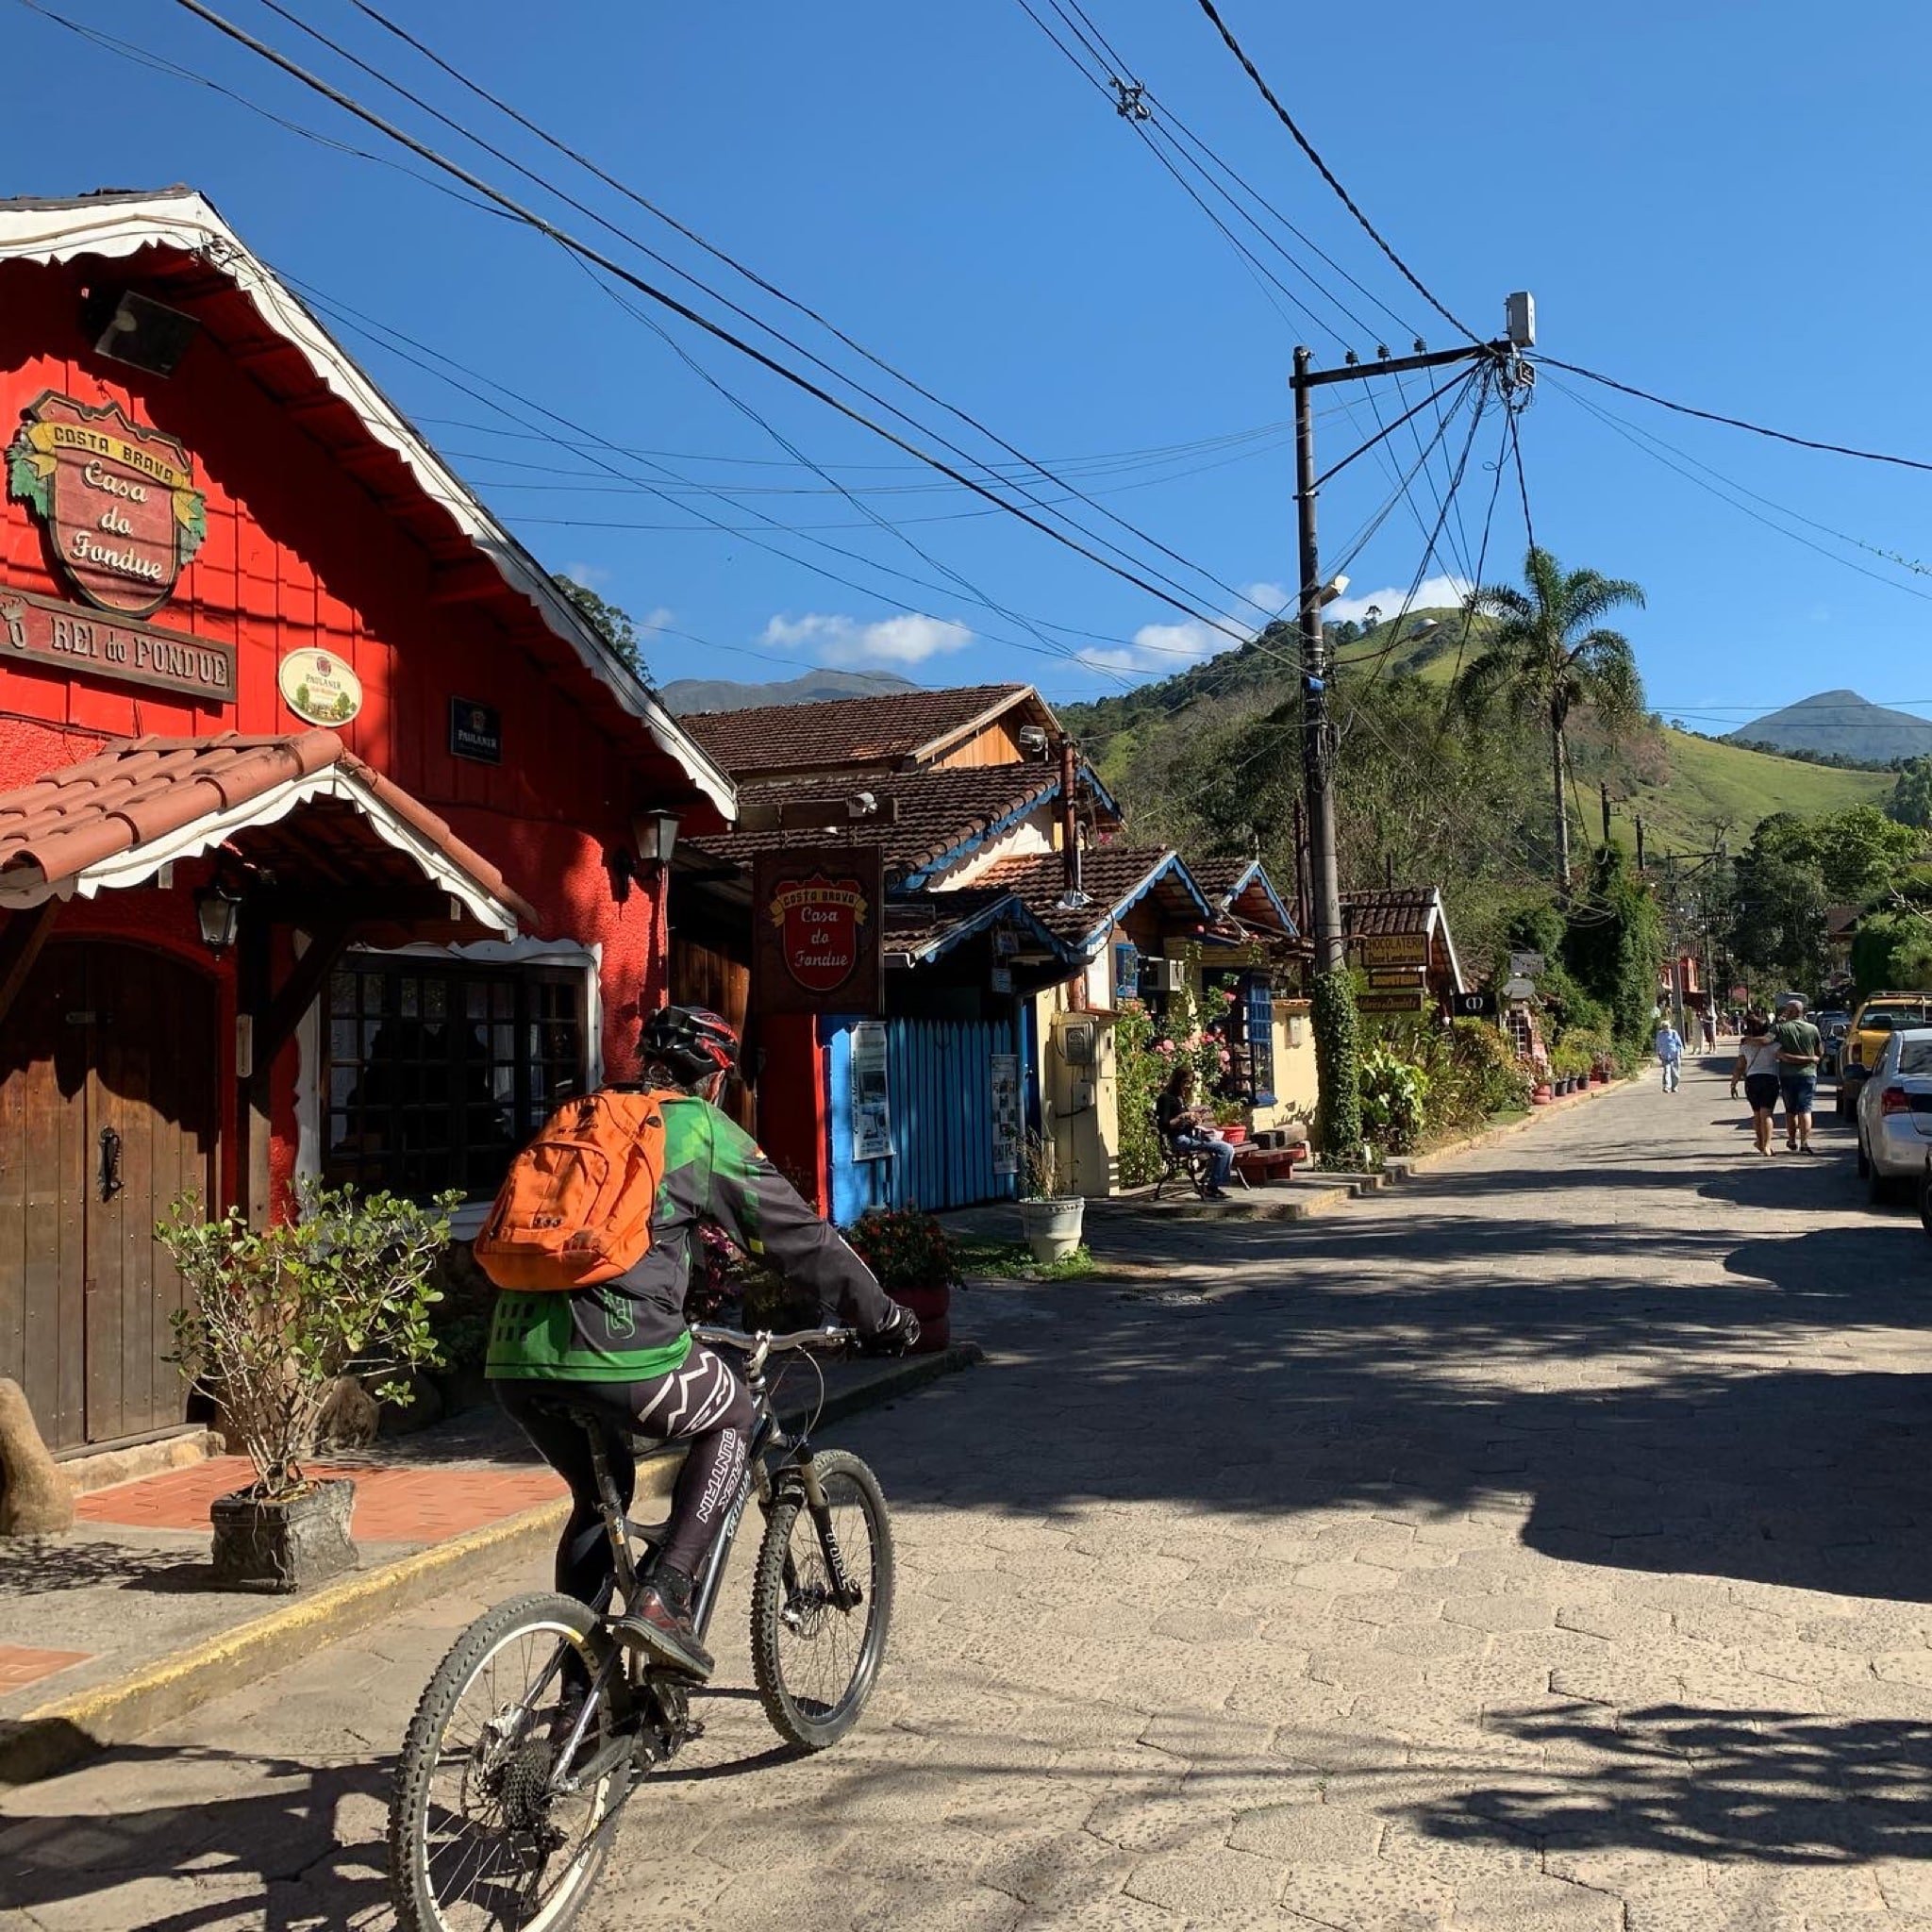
437	1071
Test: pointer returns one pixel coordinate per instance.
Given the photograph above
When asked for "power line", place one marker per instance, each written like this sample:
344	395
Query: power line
1328	174
751	276
685	312
1835	449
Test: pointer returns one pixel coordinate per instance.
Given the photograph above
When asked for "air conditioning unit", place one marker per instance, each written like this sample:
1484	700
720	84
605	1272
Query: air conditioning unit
1163	976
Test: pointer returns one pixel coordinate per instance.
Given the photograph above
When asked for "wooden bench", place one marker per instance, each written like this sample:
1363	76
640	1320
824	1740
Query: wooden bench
1270	1165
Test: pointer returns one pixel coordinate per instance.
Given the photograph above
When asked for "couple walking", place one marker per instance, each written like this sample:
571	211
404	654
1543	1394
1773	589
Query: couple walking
1780	1062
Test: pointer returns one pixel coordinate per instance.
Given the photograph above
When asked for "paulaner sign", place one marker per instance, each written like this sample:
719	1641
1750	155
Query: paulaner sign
117	498
71	638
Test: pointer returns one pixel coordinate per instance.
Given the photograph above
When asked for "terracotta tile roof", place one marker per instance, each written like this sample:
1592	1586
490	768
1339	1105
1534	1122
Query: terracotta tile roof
1113	878
1380	914
842	731
938	811
1242	887
139	790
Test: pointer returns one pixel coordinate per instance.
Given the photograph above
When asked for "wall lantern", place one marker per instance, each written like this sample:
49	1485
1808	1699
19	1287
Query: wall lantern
656	835
218	908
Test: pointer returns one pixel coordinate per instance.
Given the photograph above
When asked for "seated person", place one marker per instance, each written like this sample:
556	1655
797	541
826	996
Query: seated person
1190	1129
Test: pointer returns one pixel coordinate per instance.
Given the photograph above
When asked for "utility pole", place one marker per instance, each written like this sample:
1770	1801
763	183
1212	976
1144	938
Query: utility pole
1337	1029
1604	788
1640	844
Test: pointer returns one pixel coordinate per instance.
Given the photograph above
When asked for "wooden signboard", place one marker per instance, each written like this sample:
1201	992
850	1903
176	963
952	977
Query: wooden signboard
90	643
1396	949
1390	1002
817	928
1403	978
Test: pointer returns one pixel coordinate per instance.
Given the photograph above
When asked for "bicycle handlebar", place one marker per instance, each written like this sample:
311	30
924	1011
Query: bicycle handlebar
758	1346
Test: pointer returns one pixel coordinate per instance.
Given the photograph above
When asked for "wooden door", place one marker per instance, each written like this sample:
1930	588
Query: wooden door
108	1114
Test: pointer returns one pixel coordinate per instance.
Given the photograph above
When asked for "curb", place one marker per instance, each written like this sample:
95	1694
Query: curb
1484	1137
56	1736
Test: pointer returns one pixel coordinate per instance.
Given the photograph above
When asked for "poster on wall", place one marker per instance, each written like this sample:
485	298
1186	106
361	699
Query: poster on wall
1006	1112
871	1130
816	930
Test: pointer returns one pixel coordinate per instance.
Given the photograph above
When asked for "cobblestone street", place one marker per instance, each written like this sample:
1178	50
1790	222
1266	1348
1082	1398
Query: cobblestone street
1541	1544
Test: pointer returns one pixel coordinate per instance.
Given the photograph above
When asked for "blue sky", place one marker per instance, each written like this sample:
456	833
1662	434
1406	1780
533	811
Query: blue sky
1719	208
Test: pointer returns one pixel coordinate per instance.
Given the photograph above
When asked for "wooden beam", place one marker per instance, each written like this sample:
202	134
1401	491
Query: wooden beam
320	906
275	1028
20	946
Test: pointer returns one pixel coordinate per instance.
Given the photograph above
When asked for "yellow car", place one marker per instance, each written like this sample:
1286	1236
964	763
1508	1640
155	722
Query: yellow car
1879	1016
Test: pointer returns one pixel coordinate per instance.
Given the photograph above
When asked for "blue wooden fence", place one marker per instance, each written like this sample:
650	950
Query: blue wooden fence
940	1102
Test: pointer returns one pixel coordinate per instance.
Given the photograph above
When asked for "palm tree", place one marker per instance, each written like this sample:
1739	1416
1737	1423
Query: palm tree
1547	654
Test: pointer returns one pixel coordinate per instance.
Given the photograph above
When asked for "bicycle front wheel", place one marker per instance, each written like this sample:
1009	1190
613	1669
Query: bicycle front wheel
483	1829
816	1649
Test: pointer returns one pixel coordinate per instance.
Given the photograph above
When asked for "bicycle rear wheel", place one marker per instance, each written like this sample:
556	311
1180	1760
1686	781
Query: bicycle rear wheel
816	1660
479	1837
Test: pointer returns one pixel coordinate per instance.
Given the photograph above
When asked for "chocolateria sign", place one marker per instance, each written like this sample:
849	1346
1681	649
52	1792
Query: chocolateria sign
116	498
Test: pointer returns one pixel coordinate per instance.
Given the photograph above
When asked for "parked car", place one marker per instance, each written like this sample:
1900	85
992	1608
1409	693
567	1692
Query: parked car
1895	1113
1880	1015
1833	1024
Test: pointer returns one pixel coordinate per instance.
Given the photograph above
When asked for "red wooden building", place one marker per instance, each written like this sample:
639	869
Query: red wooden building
330	832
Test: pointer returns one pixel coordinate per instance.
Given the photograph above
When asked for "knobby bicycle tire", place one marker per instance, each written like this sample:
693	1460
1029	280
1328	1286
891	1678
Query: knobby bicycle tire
540	1613
814	1725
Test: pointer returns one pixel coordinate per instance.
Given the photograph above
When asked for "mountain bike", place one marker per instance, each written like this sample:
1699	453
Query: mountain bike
507	1792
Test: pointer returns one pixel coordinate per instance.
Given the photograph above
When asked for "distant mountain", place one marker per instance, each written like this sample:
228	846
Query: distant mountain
1841	721
723	694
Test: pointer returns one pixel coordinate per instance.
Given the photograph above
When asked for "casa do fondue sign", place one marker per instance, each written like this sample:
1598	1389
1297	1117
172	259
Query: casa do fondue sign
818	930
117	499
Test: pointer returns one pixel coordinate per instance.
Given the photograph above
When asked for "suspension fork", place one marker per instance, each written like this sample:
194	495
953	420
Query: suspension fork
845	1593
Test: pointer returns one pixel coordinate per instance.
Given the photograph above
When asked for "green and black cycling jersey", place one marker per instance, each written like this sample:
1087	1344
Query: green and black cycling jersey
633	1328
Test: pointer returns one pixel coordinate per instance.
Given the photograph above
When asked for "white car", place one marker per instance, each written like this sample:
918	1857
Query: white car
1895	1113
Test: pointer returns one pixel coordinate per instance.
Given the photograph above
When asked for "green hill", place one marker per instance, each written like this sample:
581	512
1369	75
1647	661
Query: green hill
1689	790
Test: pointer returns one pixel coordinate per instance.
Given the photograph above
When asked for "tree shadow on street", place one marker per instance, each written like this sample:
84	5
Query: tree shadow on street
1768	1786
298	1843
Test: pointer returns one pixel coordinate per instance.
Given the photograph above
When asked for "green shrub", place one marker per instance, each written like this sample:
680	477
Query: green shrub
1395	1100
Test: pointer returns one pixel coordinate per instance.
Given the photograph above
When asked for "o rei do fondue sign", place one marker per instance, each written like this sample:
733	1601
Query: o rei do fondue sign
117	499
818	930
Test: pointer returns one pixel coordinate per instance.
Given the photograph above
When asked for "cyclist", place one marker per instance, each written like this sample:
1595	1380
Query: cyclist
622	1349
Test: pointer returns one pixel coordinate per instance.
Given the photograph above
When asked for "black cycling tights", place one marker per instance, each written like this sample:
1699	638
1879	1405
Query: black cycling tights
702	1403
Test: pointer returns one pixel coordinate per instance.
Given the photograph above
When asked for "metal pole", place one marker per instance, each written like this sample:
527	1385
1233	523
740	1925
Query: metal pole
1336	1029
1604	788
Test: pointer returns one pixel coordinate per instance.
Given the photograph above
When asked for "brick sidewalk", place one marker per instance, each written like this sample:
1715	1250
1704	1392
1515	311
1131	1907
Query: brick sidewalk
405	1505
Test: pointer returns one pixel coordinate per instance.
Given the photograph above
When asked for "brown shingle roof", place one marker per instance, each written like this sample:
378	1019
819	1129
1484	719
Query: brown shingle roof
1242	887
1380	914
938	812
1112	876
843	731
142	788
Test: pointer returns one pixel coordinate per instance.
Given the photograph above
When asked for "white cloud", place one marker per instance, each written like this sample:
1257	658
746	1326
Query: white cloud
1434	594
658	619
588	575
1167	648
910	639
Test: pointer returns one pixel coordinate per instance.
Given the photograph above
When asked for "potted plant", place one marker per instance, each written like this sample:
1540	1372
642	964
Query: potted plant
274	1316
1050	1221
915	1264
1231	1117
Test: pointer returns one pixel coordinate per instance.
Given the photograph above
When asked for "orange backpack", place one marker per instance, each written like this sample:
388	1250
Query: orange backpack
576	1208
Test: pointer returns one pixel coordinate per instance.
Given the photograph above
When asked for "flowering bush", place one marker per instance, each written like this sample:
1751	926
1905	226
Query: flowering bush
904	1249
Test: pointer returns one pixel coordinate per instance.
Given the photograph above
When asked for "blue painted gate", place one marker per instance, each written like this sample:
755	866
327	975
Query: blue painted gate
940	1104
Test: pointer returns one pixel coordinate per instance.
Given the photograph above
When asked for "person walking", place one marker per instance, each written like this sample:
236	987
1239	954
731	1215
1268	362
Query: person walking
1758	1068
1670	1053
1798	1050
1709	1033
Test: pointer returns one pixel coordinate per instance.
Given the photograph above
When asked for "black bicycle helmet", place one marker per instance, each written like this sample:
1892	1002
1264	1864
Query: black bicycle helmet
690	1043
